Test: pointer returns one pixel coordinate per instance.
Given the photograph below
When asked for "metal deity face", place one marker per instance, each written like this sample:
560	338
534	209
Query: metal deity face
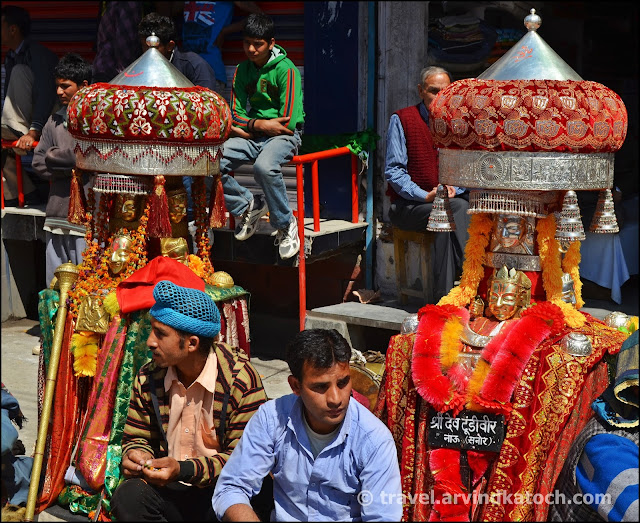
120	253
513	233
509	292
177	206
126	207
568	289
175	248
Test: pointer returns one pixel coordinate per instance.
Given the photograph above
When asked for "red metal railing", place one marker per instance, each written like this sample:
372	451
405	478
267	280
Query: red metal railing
7	144
299	162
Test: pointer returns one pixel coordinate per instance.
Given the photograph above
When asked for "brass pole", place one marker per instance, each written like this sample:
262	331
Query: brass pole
67	273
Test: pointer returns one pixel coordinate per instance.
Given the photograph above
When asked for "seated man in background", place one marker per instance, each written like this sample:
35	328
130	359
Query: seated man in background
29	97
190	64
53	159
188	409
269	134
330	458
411	171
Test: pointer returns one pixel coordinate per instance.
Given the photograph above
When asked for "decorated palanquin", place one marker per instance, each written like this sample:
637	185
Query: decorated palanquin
137	136
486	394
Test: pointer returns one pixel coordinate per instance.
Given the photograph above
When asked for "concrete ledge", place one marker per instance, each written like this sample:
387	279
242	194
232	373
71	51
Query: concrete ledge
364	314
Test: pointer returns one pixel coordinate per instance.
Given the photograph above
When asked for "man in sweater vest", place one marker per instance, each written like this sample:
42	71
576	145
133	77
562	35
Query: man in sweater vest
411	171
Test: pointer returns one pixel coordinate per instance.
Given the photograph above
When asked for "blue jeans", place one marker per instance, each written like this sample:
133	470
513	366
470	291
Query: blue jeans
269	154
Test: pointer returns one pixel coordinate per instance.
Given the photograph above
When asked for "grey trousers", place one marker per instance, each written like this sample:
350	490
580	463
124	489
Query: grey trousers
62	248
447	251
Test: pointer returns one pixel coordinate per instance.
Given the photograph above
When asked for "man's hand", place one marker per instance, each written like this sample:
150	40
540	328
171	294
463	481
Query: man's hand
133	462
25	142
240	132
451	191
274	127
431	194
161	471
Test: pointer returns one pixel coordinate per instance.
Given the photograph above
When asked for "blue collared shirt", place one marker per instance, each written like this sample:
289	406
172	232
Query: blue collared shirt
361	464
396	161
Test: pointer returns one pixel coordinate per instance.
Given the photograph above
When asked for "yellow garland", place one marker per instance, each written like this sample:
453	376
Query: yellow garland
84	346
479	230
476	381
111	304
450	345
570	265
549	251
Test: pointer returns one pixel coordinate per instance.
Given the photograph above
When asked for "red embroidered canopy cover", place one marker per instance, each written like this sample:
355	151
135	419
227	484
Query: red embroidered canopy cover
128	127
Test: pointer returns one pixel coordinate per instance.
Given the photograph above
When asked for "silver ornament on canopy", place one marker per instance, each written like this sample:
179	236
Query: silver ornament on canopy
604	219
569	227
441	217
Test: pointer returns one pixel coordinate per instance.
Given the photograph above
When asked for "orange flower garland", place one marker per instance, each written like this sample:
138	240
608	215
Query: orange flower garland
94	277
549	251
202	228
480	227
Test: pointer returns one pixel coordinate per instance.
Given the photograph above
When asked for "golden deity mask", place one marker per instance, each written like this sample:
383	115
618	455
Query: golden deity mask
126	207
509	291
120	253
92	317
513	234
177	201
476	307
175	248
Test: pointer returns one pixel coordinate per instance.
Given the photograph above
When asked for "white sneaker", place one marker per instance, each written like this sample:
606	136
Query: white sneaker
287	240
249	220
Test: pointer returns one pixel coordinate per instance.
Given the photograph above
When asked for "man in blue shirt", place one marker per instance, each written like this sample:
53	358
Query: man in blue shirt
330	458
411	171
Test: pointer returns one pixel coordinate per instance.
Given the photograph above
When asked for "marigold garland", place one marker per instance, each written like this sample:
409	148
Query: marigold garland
550	261
199	192
570	265
450	345
479	230
201	269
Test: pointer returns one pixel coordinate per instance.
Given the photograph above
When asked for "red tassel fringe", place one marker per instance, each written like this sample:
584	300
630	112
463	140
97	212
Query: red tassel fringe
77	205
159	225
217	209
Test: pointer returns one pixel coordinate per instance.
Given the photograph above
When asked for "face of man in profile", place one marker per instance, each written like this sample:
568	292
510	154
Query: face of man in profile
432	85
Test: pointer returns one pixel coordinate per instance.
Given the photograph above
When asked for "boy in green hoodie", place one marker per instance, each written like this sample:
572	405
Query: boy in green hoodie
269	134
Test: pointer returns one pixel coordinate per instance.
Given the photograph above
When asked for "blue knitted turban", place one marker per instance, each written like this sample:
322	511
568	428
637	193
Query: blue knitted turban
188	310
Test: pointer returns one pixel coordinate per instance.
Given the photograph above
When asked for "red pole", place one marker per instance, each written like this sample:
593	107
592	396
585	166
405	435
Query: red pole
354	188
302	271
316	196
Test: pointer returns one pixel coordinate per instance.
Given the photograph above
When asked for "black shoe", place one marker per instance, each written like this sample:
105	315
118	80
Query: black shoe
11	203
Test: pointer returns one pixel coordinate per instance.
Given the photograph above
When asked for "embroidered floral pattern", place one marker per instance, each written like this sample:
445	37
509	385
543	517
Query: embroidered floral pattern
529	115
106	112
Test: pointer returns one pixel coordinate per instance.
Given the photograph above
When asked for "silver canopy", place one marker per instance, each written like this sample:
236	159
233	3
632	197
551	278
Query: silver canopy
152	69
530	59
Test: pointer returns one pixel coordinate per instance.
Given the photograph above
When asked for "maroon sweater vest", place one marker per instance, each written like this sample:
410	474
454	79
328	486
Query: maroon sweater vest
422	164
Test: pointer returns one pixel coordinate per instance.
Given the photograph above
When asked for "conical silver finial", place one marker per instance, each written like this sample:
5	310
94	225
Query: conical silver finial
152	40
532	21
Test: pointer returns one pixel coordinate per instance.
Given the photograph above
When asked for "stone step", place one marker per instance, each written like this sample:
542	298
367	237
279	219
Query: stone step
354	319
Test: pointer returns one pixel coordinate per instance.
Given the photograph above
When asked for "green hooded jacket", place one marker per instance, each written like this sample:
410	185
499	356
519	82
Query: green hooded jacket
273	91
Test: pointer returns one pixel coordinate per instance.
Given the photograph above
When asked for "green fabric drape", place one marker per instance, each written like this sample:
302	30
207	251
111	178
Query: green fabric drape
361	143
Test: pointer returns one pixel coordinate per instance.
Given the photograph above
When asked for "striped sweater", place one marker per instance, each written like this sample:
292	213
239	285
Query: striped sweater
142	429
272	91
